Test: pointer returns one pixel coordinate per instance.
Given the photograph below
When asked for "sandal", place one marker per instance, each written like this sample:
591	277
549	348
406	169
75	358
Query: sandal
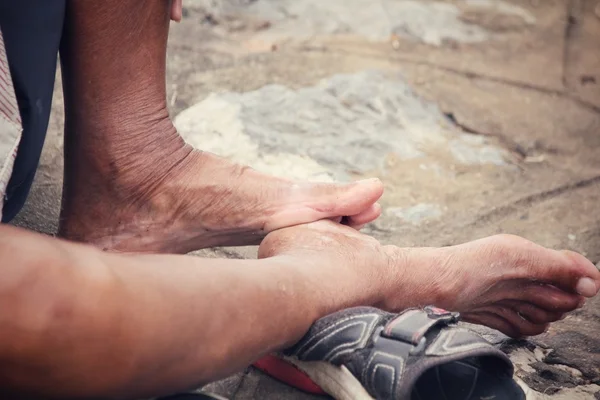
367	354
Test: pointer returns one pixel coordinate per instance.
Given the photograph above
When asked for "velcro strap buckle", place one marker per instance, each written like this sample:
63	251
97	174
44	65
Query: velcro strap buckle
412	325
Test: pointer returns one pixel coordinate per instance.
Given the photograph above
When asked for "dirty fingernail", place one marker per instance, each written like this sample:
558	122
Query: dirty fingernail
586	287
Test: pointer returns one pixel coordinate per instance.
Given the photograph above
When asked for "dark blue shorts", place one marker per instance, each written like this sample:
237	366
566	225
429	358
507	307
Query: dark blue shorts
32	31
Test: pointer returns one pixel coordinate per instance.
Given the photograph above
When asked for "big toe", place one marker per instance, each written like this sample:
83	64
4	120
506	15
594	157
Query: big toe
586	276
574	273
313	202
566	270
347	199
358	221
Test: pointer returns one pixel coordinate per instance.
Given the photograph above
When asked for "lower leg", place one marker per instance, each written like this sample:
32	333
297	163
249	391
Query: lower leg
131	183
118	137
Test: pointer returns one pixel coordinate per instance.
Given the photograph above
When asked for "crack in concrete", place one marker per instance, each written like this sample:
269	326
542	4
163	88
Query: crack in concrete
467	74
570	24
509	144
250	59
528	201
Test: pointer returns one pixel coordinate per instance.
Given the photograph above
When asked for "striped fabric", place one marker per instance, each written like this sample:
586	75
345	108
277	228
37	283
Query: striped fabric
10	124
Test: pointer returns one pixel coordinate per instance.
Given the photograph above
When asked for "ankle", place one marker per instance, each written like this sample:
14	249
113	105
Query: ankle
427	270
449	276
136	147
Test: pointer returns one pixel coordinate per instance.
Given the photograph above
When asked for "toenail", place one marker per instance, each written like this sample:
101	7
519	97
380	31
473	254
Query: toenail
586	287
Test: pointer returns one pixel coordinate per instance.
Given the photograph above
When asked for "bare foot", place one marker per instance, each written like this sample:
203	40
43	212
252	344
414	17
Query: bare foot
509	283
504	282
185	199
131	184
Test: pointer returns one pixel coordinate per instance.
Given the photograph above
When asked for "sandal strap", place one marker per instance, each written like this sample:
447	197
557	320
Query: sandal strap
412	325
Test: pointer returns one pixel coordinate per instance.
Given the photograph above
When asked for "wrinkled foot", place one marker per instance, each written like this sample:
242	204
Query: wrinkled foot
504	282
508	283
187	199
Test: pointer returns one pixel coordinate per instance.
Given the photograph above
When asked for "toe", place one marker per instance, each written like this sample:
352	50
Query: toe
333	200
493	321
506	321
533	313
548	297
586	276
564	269
568	271
519	322
360	220
306	203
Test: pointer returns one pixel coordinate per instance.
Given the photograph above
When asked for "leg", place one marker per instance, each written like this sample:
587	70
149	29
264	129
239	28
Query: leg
165	333
504	282
32	30
81	323
131	183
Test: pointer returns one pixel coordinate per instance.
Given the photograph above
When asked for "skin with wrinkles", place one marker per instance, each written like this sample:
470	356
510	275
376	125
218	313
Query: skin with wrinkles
106	325
504	282
131	183
82	323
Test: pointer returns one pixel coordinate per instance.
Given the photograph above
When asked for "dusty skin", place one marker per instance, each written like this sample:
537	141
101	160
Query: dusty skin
132	184
206	201
504	282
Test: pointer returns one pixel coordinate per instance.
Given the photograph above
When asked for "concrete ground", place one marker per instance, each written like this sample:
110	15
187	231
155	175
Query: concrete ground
481	117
